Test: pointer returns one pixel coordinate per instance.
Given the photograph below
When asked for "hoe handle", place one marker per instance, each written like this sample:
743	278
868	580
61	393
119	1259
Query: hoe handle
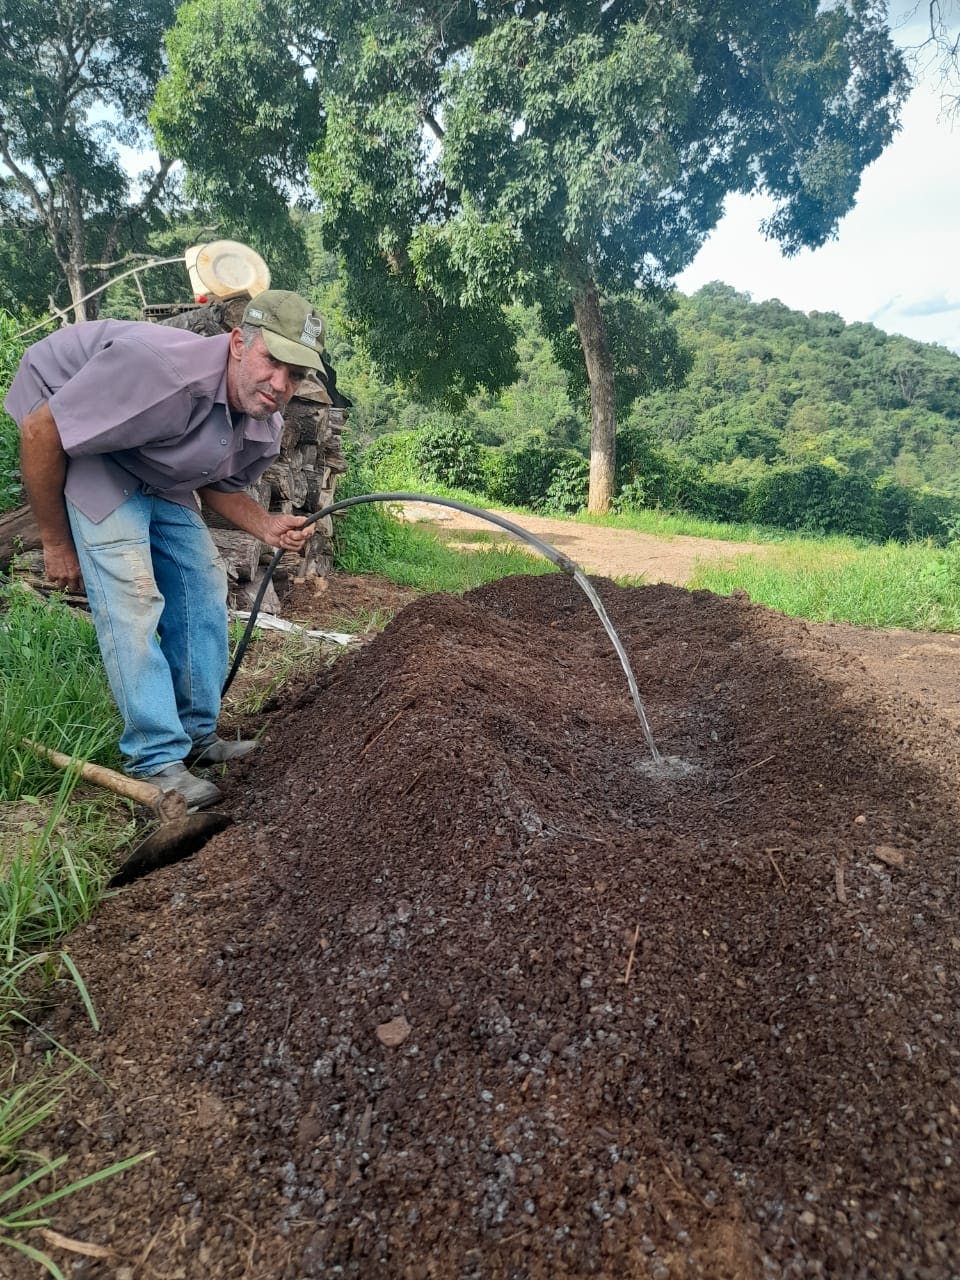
165	803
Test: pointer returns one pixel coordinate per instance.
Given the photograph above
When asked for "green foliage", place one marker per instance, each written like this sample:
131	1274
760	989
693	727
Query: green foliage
466	157
390	462
521	477
567	491
52	689
75	84
644	344
538	406
448	454
815	497
29	274
364	536
235	107
778	387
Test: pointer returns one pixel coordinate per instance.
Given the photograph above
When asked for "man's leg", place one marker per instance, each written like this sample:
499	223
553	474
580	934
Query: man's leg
193	624
127	606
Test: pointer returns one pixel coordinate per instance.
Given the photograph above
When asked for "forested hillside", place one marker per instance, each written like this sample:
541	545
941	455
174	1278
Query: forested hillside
770	385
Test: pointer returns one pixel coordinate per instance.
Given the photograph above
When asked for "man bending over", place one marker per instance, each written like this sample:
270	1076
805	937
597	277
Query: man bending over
122	425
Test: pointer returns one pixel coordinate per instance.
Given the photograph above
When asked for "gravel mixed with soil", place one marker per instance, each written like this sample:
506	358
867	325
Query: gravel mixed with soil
468	991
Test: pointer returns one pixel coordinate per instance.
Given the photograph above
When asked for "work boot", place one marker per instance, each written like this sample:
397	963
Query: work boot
198	792
215	750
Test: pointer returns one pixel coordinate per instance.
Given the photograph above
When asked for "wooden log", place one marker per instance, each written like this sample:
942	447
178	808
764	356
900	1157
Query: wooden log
219	315
240	553
246	593
261	492
289	484
315	497
314	390
290	439
294	457
18	532
206	320
311	421
280	478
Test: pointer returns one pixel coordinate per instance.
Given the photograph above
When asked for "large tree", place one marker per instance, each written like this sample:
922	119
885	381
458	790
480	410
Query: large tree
573	154
76	80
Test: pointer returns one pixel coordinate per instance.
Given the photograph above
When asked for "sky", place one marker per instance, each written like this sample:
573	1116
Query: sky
896	260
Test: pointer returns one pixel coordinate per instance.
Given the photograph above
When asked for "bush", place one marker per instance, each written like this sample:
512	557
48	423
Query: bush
448	454
390	462
365	534
713	499
569	485
816	498
643	471
908	516
536	476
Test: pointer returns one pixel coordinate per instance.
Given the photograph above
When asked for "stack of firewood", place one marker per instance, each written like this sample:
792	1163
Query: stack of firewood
302	480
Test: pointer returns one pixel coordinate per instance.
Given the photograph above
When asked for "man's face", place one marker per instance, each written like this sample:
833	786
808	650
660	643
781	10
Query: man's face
257	383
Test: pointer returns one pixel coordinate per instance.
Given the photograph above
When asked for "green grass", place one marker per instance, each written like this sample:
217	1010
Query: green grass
673	524
58	846
420	559
370	540
52	690
916	587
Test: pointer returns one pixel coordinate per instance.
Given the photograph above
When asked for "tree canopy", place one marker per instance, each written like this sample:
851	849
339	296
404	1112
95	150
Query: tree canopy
465	155
76	80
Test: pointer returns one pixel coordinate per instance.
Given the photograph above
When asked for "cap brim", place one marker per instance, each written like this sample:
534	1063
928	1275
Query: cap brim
291	352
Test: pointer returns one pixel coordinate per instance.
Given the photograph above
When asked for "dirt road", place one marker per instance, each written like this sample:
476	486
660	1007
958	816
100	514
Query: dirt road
614	553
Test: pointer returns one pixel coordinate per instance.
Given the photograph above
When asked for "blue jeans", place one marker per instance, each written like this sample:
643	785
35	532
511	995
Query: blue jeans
158	594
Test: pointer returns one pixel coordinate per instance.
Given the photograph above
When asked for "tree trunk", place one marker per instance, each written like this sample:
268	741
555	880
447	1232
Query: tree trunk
603	404
76	241
74	278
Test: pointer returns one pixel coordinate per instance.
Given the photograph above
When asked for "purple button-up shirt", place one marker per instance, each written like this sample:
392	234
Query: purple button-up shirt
142	407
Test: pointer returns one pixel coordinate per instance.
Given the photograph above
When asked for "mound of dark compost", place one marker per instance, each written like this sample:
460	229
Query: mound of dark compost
467	992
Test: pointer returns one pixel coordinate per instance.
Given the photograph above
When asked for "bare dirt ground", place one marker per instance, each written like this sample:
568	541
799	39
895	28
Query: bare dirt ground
614	553
469	991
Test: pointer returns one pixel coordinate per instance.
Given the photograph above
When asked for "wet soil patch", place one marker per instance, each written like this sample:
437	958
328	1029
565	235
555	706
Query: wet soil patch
465	992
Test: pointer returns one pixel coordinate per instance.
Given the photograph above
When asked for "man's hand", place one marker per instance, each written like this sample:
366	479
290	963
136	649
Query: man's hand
61	566
286	532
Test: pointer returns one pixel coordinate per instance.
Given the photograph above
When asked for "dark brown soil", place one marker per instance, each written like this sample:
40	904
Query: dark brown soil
467	992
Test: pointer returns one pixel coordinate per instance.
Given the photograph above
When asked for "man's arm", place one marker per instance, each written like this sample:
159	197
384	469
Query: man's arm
241	510
43	467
